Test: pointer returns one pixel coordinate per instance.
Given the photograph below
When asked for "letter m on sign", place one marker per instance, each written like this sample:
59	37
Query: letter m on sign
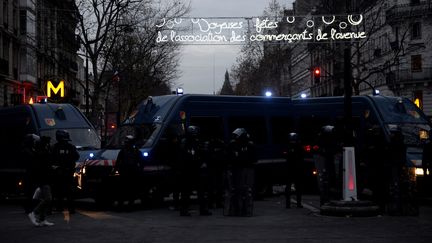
60	87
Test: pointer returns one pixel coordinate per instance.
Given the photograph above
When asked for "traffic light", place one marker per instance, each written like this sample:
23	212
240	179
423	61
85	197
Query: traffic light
317	75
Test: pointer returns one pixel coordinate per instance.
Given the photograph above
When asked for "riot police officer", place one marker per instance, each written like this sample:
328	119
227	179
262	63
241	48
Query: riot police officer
216	159
41	170
324	161
129	165
193	169
402	190
241	154
64	155
294	160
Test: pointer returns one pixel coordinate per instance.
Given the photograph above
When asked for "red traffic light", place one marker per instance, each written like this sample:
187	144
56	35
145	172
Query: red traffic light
317	74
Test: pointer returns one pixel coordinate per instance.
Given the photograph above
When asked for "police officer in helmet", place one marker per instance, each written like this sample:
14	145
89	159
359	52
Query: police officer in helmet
325	161
65	155
294	161
192	168
129	165
241	159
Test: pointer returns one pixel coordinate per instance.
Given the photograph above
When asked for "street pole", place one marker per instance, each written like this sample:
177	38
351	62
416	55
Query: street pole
119	103
87	87
348	136
349	170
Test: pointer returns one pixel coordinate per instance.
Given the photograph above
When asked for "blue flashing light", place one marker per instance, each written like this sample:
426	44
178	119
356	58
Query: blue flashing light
268	93
146	154
91	155
179	91
303	95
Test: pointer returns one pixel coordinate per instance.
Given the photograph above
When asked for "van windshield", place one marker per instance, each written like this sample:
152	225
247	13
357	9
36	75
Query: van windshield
82	138
402	113
144	135
145	122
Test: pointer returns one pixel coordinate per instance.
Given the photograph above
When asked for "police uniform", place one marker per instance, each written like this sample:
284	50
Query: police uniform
129	165
242	157
65	155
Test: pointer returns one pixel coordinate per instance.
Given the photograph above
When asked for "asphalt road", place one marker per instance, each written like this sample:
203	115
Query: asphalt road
271	223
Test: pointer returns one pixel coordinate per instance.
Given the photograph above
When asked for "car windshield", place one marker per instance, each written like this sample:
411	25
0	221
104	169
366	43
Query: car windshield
413	133
402	113
144	135
400	110
82	138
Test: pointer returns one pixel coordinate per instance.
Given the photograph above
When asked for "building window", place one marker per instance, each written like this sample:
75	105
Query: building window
418	98
416	63
416	31
5	14
23	22
6	48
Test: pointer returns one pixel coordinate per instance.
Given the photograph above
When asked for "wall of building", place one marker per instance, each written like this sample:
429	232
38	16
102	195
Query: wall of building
32	50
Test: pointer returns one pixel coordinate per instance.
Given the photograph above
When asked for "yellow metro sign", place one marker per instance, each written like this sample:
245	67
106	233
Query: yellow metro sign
55	90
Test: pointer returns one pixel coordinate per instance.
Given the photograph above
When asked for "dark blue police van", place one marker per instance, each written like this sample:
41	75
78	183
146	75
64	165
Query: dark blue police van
269	120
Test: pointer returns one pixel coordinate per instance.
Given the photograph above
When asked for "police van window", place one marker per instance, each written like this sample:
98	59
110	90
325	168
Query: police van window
210	127
281	127
255	126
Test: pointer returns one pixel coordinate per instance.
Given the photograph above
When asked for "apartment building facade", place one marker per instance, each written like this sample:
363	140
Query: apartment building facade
37	45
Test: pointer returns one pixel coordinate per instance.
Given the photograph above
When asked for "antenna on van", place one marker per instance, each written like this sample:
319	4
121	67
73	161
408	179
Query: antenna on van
60	113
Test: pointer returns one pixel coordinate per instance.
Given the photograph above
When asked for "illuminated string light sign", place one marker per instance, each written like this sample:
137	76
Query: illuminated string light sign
289	29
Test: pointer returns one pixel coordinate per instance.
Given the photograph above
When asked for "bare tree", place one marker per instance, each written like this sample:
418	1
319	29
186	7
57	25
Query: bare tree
146	67
99	27
259	65
375	56
106	27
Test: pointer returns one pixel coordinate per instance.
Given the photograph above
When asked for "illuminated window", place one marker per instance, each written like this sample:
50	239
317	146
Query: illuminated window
418	99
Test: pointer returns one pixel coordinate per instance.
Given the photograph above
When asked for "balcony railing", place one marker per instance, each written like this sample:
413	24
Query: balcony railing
406	76
402	11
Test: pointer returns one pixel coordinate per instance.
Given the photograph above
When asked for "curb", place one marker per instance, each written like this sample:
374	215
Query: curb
350	208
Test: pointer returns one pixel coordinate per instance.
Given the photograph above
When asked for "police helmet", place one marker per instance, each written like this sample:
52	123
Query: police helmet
62	135
293	137
129	139
328	129
193	131
240	133
31	140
